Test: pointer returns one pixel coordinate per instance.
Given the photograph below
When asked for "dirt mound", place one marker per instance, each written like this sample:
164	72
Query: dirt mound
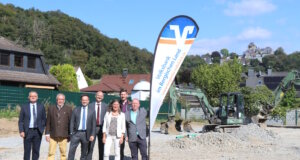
246	136
211	139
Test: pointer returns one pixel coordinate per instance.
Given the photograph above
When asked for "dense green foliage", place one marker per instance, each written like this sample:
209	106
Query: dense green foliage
216	79
280	61
224	52
64	39
88	80
288	102
190	62
256	98
66	75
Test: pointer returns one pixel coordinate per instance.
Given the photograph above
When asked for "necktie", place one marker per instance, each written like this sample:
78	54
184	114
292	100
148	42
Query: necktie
34	116
83	119
124	107
98	114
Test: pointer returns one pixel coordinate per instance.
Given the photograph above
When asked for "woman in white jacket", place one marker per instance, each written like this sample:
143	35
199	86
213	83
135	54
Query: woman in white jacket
113	129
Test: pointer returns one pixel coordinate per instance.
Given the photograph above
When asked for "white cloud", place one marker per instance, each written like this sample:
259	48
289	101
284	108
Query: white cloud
237	43
254	34
206	45
249	8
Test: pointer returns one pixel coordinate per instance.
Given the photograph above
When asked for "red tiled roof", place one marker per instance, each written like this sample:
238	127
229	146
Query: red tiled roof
114	83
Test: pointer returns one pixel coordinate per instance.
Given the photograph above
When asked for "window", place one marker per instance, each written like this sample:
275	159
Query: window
19	60
4	59
131	81
31	63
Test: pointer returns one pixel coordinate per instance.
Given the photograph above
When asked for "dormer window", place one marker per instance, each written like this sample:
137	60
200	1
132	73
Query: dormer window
31	63
18	60
4	59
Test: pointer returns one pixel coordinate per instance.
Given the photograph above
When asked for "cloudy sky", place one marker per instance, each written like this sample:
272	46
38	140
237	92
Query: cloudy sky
230	24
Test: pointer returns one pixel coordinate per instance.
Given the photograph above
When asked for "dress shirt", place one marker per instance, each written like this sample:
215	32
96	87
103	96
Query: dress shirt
81	114
31	114
133	115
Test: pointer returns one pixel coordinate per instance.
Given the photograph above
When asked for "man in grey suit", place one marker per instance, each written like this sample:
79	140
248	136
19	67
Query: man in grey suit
136	130
100	109
82	128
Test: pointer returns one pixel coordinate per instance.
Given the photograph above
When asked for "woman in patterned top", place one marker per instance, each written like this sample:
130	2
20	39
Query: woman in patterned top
113	129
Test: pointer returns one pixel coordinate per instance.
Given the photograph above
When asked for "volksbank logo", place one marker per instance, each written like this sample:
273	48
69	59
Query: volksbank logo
180	39
177	38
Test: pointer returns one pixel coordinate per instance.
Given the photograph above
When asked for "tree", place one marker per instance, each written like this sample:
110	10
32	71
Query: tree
54	54
287	103
216	79
224	52
88	80
66	75
64	39
293	61
79	58
233	55
278	61
256	98
216	57
190	63
279	51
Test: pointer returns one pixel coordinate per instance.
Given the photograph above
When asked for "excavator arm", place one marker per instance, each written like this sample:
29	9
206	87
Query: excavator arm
293	78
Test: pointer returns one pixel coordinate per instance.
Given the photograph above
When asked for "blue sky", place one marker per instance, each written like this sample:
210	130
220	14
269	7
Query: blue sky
230	24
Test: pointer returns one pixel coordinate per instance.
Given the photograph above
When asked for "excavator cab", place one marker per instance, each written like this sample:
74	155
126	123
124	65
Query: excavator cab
231	109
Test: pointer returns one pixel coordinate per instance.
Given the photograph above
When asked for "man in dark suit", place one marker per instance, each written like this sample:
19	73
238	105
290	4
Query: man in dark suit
100	109
136	130
57	127
125	106
32	121
82	128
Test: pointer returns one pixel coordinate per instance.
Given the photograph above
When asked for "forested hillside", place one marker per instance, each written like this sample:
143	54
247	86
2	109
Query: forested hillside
64	39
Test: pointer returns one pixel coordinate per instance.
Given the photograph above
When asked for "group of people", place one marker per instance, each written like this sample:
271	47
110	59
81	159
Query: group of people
114	124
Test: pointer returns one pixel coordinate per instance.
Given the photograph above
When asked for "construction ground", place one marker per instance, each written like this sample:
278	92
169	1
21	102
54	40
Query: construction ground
248	142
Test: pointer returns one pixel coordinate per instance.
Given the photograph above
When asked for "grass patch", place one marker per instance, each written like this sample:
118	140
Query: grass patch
9	112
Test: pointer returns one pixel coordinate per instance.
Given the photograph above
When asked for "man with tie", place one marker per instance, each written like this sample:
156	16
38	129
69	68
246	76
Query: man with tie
125	106
57	127
100	109
82	128
32	121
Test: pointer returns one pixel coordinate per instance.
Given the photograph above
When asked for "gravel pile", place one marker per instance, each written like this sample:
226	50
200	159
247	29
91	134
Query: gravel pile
211	139
241	137
253	131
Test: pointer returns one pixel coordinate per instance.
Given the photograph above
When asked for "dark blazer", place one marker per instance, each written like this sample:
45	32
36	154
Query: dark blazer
104	107
58	121
24	118
90	123
140	125
129	106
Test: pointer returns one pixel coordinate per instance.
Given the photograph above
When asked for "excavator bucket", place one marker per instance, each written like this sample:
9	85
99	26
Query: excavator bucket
171	126
187	127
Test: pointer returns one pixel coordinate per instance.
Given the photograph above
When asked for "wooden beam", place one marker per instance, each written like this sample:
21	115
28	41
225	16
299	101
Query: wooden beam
39	86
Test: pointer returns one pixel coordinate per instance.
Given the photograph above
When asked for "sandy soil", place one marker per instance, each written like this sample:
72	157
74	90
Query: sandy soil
11	144
8	127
